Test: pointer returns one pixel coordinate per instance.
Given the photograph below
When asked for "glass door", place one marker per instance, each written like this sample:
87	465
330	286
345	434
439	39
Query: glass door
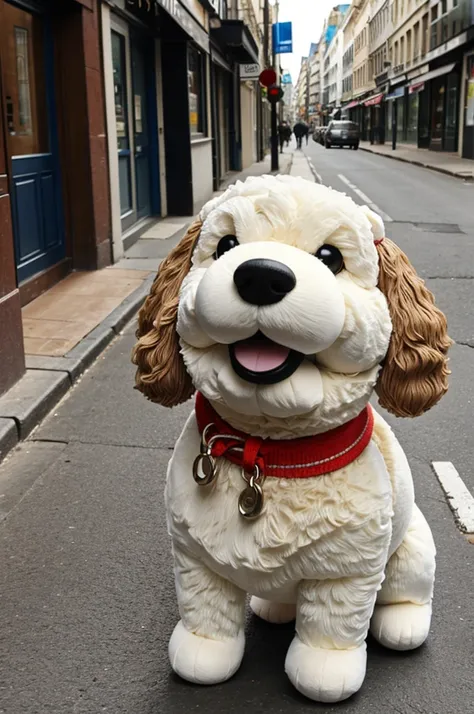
437	113
132	78
28	94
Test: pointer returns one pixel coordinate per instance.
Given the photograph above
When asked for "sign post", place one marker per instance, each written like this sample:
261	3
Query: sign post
268	79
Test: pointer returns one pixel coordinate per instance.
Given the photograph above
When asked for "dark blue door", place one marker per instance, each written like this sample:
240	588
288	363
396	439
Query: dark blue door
141	112
32	142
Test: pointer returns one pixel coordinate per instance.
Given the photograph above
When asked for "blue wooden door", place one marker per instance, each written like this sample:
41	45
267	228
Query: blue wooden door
140	78
32	141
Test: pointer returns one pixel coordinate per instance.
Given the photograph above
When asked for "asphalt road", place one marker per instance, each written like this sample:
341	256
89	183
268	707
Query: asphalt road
88	602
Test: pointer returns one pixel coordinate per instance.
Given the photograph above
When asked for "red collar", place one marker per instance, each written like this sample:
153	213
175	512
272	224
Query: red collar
286	458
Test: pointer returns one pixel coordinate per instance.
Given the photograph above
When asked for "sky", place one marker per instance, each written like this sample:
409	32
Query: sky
308	18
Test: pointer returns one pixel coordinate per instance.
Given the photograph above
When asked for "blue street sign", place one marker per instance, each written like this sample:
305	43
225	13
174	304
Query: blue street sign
282	38
286	79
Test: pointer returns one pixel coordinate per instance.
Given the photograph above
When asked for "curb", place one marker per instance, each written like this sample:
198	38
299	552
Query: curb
312	168
47	379
414	162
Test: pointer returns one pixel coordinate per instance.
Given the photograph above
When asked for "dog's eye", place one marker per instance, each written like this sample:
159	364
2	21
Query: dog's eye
331	257
226	243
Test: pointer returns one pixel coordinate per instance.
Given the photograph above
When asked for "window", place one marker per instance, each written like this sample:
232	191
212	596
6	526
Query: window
197	91
409	47
444	7
416	41
434	13
424	35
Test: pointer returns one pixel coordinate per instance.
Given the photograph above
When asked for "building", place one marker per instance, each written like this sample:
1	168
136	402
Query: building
288	97
362	77
408	47
448	87
348	59
115	112
301	100
380	31
54	183
314	84
331	54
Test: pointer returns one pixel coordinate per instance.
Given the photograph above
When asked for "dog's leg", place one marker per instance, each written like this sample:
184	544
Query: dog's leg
275	612
327	658
207	644
402	617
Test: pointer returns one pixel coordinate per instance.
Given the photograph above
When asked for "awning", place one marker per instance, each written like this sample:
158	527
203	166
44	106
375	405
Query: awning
398	92
415	88
373	100
351	105
434	73
235	37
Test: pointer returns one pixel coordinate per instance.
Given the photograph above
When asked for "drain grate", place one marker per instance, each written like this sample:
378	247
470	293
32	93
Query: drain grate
438	227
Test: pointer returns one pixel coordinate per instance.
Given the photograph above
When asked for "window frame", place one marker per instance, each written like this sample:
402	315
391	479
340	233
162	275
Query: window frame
202	127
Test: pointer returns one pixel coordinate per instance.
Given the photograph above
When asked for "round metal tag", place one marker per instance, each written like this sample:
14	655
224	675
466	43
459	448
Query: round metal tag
204	469
251	501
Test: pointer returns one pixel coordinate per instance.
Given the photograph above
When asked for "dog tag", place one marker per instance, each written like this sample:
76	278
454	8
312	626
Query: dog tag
204	469
251	501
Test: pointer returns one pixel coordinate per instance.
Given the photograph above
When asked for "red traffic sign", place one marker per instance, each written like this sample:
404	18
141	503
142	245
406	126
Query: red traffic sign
267	77
274	94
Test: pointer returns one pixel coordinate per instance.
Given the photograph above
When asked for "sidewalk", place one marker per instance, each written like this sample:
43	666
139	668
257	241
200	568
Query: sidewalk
445	163
67	328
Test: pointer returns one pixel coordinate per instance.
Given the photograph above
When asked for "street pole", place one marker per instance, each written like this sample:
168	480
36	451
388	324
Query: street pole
274	123
394	125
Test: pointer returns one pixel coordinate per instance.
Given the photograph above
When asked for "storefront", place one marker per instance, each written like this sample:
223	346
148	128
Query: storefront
413	108
395	114
157	80
468	108
444	94
237	96
55	213
376	118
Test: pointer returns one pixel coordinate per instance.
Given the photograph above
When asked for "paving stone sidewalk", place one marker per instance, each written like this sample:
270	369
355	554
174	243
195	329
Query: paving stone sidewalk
440	161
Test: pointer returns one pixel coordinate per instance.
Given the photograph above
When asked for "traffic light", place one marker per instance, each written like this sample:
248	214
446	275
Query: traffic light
274	94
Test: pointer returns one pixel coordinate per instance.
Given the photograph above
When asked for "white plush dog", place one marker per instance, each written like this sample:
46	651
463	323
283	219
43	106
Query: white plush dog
285	307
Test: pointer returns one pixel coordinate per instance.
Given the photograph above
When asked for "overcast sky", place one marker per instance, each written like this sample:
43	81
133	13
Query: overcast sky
308	18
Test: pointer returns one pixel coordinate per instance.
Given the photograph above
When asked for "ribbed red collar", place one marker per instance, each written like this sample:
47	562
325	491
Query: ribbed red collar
286	458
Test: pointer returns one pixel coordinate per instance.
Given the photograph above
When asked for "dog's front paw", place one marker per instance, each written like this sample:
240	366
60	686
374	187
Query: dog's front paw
276	612
403	626
204	661
325	675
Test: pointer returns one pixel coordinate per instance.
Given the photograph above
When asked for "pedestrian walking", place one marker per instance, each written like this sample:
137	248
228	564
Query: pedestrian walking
299	130
282	134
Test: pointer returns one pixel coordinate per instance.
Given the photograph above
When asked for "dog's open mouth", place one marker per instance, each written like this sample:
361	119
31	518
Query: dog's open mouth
262	361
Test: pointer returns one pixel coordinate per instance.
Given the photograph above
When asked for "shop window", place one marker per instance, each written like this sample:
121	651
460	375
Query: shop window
197	91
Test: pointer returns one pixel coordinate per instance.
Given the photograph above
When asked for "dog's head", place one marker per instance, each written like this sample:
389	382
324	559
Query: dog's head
283	303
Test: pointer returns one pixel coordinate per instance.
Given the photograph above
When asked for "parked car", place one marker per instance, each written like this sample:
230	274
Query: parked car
342	133
320	132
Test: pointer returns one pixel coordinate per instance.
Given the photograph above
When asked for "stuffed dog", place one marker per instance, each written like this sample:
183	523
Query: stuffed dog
285	307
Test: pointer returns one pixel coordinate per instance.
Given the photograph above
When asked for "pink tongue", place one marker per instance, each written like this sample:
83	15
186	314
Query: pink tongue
260	356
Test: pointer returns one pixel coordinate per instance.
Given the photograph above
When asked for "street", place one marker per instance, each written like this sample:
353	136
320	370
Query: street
88	602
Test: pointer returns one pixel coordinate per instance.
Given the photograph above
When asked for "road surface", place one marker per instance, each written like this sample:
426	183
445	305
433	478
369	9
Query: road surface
88	601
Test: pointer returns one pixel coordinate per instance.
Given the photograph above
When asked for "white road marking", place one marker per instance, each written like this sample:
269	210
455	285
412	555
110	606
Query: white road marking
317	176
384	216
460	500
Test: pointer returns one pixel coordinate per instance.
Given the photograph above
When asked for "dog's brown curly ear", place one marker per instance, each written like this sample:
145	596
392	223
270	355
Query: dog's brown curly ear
161	375
415	373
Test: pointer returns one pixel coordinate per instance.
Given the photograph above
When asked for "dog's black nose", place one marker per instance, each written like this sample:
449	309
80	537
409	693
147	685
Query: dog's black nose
263	282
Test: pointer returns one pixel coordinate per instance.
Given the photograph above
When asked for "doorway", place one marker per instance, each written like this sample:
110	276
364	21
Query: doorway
31	134
132	65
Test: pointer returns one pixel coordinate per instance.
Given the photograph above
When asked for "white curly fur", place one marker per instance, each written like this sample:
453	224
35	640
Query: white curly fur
323	546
